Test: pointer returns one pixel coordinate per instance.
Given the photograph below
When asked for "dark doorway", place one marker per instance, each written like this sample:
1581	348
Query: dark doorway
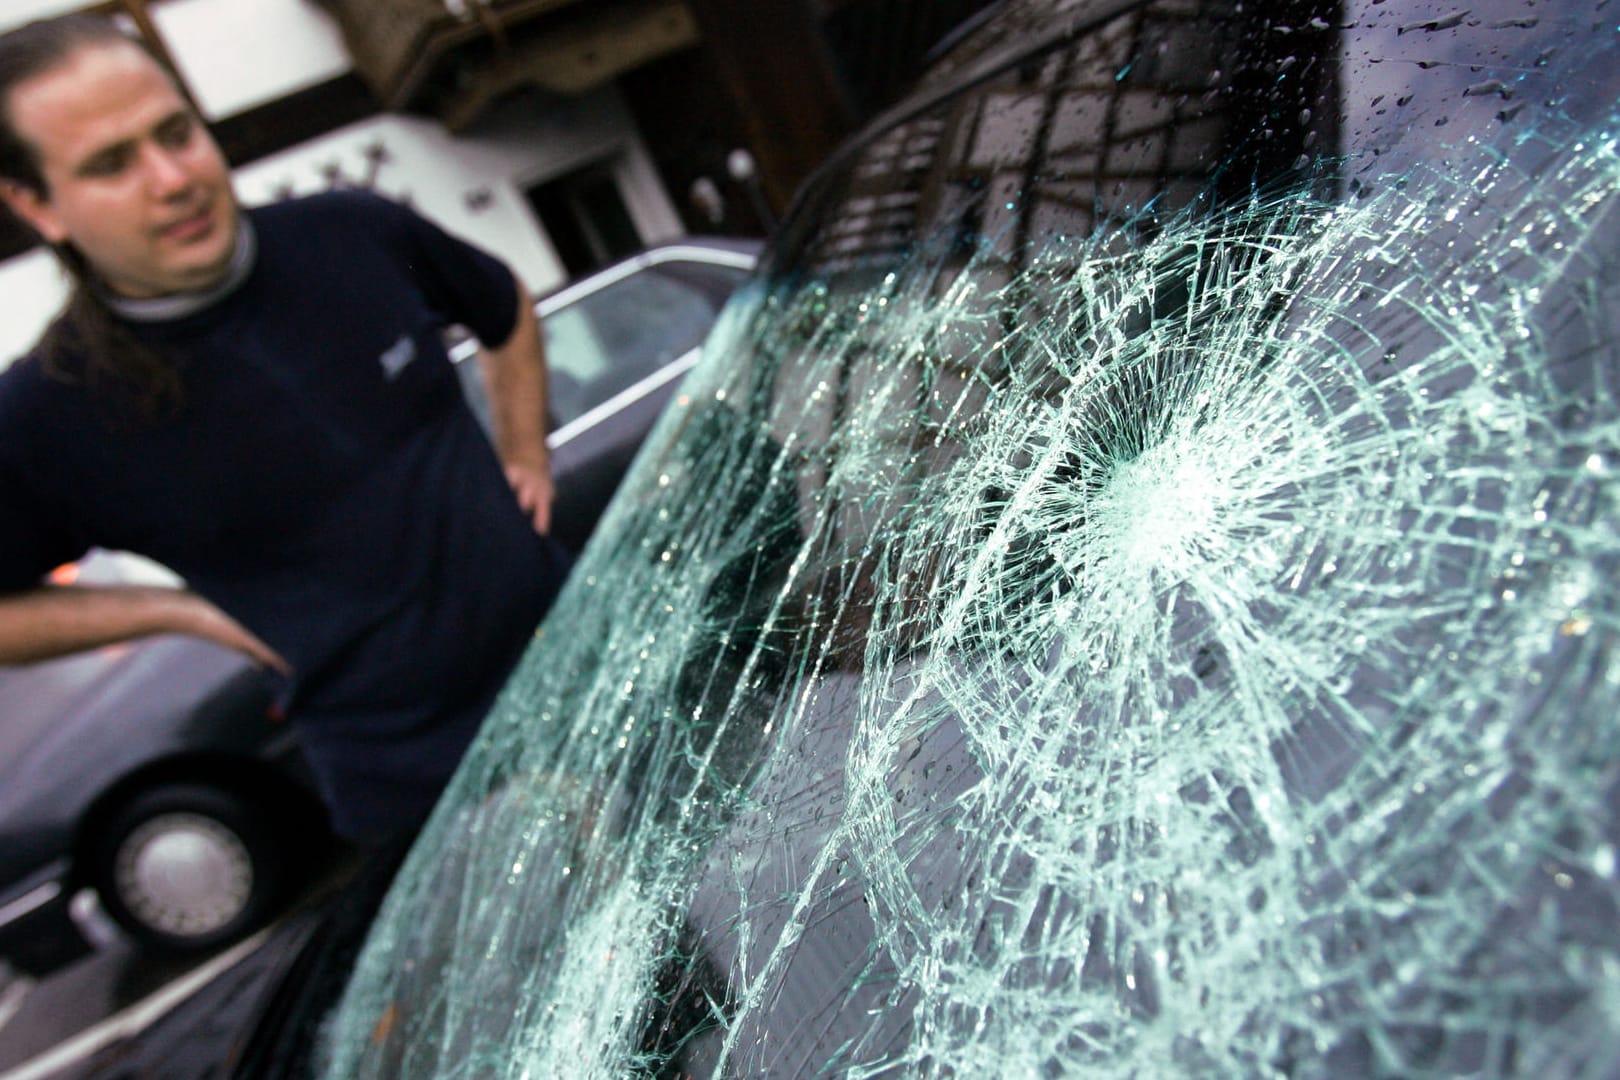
586	219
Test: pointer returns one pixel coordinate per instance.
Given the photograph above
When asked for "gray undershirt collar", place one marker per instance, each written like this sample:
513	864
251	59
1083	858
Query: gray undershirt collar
179	305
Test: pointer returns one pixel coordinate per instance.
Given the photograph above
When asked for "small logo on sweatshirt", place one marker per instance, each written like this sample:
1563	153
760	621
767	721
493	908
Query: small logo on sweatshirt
397	357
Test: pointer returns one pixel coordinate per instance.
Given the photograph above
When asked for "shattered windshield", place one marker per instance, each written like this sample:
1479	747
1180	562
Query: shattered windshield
1128	591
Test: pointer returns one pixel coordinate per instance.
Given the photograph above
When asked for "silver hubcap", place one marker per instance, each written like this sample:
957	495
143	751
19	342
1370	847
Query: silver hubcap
184	874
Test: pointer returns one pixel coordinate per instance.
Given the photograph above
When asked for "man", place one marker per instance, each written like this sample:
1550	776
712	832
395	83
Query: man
261	400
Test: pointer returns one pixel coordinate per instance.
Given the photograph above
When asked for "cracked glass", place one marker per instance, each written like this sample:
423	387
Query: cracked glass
1127	591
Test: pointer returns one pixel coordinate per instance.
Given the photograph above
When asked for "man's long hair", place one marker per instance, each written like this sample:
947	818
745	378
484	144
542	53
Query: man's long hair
86	344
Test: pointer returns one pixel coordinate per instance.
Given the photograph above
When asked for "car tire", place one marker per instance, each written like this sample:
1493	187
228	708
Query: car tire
188	867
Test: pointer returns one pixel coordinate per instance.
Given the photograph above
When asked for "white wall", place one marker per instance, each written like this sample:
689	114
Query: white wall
17	12
235	54
425	166
32	289
473	183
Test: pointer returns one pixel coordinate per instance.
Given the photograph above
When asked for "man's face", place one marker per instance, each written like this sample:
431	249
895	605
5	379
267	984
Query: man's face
132	179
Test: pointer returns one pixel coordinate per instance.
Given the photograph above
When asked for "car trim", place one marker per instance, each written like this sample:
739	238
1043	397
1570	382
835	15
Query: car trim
624	398
137	1017
30	902
740	260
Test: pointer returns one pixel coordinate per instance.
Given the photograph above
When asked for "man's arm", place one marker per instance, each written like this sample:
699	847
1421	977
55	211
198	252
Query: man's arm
515	382
55	620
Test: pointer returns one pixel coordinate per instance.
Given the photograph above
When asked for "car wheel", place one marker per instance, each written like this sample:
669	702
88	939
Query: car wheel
188	867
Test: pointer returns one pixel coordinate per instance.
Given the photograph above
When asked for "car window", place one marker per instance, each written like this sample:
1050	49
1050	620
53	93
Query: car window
603	338
1127	591
611	338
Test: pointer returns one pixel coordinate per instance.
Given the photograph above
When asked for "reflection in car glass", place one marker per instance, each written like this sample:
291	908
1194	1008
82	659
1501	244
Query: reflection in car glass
1128	591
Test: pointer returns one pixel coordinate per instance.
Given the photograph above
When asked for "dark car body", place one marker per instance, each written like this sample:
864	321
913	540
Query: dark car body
1128	592
90	736
93	730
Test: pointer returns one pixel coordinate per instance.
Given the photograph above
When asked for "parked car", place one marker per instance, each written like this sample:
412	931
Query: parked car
157	774
148	773
617	344
1128	592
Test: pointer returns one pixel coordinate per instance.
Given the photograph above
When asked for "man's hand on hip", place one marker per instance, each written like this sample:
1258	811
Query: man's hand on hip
531	483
